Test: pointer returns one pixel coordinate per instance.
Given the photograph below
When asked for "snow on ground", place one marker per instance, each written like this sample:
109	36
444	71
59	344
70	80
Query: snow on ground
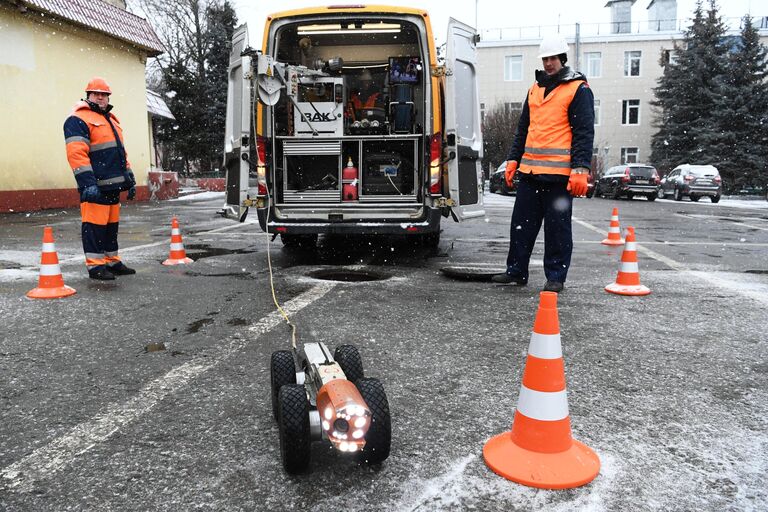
199	196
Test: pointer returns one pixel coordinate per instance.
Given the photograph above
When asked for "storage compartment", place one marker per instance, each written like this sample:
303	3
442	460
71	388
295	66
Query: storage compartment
389	169
311	171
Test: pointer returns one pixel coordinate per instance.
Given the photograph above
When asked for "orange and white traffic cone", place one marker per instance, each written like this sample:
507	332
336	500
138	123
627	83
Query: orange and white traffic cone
50	284
628	278
539	450
614	231
178	255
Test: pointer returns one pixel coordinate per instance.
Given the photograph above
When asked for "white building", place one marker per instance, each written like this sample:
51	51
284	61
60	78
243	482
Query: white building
622	61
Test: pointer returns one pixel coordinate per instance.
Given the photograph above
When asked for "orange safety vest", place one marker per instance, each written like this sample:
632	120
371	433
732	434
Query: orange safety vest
369	103
548	145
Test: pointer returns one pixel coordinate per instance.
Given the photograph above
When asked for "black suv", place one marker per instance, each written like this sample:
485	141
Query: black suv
693	181
628	180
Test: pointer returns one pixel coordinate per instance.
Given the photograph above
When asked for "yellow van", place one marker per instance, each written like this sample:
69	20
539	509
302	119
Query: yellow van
346	121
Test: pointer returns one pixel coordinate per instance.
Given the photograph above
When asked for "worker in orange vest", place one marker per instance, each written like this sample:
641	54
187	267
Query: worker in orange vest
97	156
368	95
552	152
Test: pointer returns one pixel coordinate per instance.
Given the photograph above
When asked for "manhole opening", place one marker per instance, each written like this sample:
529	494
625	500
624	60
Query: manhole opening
756	271
347	276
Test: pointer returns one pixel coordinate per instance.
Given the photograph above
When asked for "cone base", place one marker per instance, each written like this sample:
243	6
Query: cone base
51	293
179	261
574	467
623	289
608	241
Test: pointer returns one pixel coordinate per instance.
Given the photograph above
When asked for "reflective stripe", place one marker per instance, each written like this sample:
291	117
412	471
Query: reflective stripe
50	270
614	229
111	254
548	151
77	138
545	163
539	405
630	246
94	255
110	181
103	145
630	267
545	346
82	169
49	247
175	231
177	247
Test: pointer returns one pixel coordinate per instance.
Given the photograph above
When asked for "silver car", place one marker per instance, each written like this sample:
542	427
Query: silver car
694	181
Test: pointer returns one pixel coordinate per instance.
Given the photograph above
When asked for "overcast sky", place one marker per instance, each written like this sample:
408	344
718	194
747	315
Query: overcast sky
497	13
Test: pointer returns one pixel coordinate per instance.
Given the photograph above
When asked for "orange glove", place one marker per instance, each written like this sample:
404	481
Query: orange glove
577	184
509	173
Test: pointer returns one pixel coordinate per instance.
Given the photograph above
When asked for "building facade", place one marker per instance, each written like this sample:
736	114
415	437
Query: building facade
48	52
622	61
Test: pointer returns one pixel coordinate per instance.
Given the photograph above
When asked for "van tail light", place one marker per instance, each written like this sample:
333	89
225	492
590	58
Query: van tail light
625	178
717	179
261	166
435	154
688	177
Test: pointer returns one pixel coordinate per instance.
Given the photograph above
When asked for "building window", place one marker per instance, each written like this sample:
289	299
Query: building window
594	61
597	112
632	63
629	155
630	112
668	57
511	107
513	68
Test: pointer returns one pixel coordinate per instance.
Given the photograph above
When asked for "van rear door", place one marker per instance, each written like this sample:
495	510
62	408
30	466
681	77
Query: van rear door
237	138
462	116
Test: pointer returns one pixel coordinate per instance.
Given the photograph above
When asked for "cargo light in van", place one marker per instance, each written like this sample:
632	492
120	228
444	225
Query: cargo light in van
336	28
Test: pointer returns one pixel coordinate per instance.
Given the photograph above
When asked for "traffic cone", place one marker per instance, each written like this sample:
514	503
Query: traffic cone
178	255
614	231
539	450
628	278
50	284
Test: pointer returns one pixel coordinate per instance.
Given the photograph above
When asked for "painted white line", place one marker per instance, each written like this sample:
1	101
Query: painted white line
758	294
61	452
719	220
597	242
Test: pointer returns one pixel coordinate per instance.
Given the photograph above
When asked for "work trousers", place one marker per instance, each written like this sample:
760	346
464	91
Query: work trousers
99	230
537	201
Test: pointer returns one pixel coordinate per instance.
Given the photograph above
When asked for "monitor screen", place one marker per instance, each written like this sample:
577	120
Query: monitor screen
404	70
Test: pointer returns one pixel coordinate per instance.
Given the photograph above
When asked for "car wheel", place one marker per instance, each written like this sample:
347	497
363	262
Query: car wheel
282	371
678	194
597	192
616	191
630	195
378	439
694	197
293	421
491	188
590	193
651	197
660	193
298	241
715	199
350	361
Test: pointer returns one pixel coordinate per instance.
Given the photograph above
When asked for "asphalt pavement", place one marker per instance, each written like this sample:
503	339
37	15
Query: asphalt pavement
152	392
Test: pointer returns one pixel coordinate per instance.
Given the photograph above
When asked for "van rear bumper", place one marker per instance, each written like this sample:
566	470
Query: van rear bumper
430	223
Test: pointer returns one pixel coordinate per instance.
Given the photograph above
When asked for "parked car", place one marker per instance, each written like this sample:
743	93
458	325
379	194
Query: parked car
628	180
498	183
693	181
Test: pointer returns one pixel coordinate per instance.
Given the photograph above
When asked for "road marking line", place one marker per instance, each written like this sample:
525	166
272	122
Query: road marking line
719	220
61	452
597	242
756	294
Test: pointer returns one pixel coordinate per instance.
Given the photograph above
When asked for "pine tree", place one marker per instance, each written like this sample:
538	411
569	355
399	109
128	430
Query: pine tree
741	113
686	97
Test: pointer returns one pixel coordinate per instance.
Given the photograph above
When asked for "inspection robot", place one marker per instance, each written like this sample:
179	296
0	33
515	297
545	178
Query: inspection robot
317	396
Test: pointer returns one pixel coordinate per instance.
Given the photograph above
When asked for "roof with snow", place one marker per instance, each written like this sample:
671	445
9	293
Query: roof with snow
102	17
157	106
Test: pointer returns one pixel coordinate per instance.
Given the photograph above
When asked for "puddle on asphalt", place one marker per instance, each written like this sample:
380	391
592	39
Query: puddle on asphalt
9	265
347	276
198	324
154	347
237	321
200	251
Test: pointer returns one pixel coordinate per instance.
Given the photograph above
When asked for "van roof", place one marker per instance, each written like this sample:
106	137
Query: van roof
348	8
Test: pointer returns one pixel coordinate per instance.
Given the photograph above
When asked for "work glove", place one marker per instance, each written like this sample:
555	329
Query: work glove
131	193
577	182
131	178
509	173
90	194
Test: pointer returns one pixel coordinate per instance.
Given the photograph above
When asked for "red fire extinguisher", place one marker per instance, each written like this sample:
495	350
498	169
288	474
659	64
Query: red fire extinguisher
349	182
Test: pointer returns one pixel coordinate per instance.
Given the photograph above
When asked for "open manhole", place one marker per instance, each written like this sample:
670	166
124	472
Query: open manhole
756	271
347	276
471	273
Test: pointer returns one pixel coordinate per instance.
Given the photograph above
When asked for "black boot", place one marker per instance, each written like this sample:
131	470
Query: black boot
120	269
553	286
101	273
509	279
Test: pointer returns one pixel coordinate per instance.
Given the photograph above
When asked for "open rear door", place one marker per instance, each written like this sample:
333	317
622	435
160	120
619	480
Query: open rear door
237	138
462	116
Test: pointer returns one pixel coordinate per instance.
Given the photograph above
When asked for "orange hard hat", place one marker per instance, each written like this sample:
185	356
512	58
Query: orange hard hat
98	84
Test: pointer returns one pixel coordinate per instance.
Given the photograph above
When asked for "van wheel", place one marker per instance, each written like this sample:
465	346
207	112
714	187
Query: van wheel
678	194
694	197
293	421
651	197
298	241
282	371
350	361
378	439
715	199
431	240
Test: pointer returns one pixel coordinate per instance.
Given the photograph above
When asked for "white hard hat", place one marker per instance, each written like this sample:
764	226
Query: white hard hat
366	75
551	46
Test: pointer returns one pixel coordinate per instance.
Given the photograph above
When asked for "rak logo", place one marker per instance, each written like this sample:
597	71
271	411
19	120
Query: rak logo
320	117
